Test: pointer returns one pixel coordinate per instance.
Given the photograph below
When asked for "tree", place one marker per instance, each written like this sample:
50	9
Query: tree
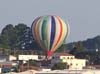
27	39
17	37
79	46
31	63
62	48
11	36
60	66
8	38
73	51
20	30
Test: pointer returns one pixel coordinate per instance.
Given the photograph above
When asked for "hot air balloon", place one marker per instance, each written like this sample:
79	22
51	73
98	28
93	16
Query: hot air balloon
49	32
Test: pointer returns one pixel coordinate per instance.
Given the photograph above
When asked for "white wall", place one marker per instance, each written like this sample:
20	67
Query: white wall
3	60
70	60
11	58
27	57
0	70
67	57
77	63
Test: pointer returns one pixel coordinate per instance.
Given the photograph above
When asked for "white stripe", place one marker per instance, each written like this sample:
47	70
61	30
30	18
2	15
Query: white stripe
40	28
57	32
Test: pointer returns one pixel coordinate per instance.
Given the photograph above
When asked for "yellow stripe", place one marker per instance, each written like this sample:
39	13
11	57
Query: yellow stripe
62	37
64	34
56	32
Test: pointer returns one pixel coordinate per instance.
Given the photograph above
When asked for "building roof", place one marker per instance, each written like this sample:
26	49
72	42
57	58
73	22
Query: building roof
65	54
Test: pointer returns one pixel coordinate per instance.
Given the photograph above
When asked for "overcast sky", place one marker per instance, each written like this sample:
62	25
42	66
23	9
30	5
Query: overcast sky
83	15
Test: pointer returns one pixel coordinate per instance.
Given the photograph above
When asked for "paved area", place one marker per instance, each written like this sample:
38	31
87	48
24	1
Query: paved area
59	72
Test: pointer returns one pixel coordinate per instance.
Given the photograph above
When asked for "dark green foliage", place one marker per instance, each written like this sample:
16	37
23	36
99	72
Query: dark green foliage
31	63
18	39
20	30
89	44
14	38
88	50
8	37
62	48
60	66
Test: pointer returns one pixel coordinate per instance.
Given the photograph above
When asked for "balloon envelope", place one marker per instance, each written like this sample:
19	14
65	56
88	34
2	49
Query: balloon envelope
49	32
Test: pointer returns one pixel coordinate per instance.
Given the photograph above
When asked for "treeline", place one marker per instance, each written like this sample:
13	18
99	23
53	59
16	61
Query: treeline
18	37
88	49
90	44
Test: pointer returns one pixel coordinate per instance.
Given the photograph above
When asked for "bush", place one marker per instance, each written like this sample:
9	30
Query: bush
31	63
60	66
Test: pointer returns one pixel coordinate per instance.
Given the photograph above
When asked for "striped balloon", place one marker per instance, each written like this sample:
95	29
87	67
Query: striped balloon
49	32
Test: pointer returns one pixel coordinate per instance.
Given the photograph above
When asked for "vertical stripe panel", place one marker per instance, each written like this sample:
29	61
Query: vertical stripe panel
37	33
44	24
48	31
64	32
57	32
33	28
52	31
40	28
61	28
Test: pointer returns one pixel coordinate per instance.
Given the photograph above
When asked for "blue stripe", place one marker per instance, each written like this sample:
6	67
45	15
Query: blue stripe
52	36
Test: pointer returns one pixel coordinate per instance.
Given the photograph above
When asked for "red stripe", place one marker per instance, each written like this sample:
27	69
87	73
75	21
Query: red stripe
60	32
36	32
34	25
34	28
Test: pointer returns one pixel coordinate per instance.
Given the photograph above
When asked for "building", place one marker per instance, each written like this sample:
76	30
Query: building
70	59
7	64
4	58
12	58
28	57
32	57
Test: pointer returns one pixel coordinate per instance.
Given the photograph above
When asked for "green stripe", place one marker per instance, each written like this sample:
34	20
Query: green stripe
44	31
